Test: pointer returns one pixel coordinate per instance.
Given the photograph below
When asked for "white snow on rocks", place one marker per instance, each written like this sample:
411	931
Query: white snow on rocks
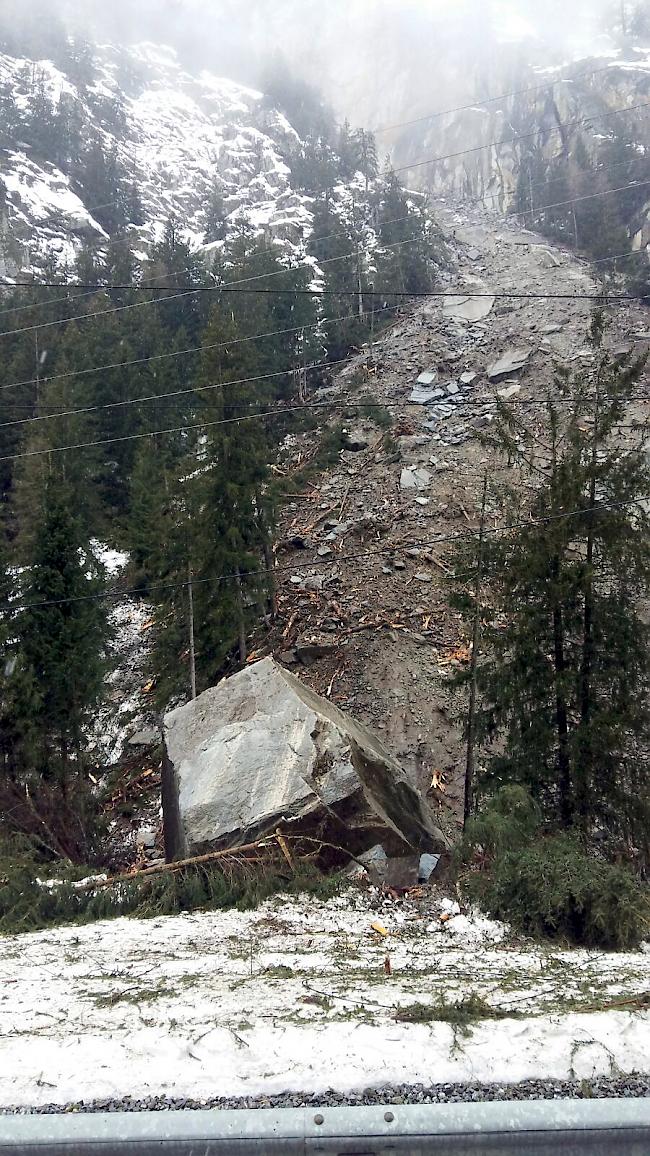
295	997
185	137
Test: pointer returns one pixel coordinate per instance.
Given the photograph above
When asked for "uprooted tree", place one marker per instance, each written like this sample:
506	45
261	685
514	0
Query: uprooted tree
564	671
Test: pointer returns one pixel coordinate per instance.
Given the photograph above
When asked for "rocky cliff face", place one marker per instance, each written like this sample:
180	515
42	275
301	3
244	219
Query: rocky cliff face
161	141
528	123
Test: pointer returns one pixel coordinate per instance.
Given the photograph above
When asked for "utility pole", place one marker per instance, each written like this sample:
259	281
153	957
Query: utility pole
358	252
476	638
190	601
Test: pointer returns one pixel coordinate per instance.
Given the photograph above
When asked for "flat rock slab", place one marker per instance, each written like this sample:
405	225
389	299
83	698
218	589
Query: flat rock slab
509	392
467	308
415	479
421	395
427	377
510	362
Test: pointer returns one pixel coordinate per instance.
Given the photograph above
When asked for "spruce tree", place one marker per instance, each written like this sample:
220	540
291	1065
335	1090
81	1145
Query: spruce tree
565	672
62	634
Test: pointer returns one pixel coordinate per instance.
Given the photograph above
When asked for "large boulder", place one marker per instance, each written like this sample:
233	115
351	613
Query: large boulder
261	751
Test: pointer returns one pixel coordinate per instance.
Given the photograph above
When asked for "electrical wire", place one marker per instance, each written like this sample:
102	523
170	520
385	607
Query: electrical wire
478	104
521	136
185	428
148	283
190	292
155	357
218	578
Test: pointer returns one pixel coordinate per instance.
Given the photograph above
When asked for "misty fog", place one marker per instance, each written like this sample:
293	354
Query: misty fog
375	60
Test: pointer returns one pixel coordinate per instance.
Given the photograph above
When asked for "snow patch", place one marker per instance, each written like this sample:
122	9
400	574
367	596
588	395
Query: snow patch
294	997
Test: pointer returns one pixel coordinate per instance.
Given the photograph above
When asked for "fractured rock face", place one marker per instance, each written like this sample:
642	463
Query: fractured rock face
415	479
421	395
261	749
428	377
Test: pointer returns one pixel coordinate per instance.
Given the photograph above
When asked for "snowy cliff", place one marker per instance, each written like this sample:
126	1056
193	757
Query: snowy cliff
163	142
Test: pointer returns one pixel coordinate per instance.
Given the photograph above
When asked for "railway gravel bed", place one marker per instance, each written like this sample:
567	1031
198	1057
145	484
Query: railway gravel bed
628	1087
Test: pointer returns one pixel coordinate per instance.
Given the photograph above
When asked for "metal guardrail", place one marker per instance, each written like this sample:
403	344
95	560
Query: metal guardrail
525	1128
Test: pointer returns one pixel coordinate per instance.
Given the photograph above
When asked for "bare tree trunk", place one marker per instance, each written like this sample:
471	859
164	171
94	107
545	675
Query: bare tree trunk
243	651
586	754
190	601
561	713
269	558
471	718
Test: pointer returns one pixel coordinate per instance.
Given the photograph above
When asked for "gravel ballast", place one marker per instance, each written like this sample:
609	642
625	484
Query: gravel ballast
623	1087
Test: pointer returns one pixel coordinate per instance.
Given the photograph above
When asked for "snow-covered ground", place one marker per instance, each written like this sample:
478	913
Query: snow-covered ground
295	996
125	708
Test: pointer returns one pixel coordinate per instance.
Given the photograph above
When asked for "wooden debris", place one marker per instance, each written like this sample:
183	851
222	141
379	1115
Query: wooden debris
282	843
336	675
437	782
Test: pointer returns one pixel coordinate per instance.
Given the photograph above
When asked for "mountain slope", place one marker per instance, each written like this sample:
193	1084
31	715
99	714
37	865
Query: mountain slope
127	141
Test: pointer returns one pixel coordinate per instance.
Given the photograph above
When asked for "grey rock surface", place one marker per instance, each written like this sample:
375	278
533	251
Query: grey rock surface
423	395
415	479
262	749
427	377
470	309
510	362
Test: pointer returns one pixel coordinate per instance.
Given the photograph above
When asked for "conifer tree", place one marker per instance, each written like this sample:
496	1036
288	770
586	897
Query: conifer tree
566	668
62	635
367	156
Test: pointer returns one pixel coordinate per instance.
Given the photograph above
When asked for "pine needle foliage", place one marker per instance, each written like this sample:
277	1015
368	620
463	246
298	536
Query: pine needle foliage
28	905
552	889
564	676
548	885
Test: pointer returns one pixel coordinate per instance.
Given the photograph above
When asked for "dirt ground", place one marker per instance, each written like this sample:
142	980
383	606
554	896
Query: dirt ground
363	579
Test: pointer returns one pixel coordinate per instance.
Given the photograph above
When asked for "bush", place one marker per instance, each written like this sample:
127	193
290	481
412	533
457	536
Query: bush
508	822
553	888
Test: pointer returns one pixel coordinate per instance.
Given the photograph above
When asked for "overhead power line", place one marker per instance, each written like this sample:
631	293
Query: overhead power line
148	283
217	287
602	296
387	292
277	412
144	592
184	293
155	397
195	349
334	403
581	122
577	200
479	104
403	168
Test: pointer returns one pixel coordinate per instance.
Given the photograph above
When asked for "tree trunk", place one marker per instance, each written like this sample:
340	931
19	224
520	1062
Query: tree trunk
561	713
243	652
269	559
272	588
585	746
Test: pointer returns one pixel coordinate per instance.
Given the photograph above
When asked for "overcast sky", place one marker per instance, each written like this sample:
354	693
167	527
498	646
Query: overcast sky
212	28
374	59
